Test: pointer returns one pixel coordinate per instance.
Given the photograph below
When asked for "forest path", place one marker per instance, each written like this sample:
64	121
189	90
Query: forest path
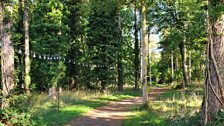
113	113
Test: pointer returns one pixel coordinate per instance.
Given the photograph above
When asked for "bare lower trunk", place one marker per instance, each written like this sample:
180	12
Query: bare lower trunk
184	66
213	98
140	32
60	90
144	52
137	63
149	60
176	63
27	53
52	92
120	77
7	56
73	84
172	67
102	82
120	64
189	67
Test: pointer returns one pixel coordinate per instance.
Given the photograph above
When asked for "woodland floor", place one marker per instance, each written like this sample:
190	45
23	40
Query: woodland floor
113	113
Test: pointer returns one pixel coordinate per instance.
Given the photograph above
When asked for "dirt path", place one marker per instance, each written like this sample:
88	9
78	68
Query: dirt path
113	113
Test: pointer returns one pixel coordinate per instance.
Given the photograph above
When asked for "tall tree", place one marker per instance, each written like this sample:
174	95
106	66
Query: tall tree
27	46
213	99
119	57
137	59
7	52
144	52
103	39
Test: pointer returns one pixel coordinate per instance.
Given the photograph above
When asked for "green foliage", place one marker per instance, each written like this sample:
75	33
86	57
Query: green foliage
47	23
17	112
218	119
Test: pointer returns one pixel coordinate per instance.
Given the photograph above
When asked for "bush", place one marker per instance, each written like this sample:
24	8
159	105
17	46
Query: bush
17	112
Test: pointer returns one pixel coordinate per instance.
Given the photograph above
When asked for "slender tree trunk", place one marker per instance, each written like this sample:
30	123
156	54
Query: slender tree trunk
189	67
27	50
149	59
176	63
120	64
19	62
172	67
140	34
137	60
184	66
213	98
1	20
120	76
73	83
103	86
144	52
7	54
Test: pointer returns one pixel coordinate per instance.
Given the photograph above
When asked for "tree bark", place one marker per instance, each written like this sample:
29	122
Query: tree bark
137	60
7	53
189	67
140	51
1	20
144	52
172	67
213	98
184	66
19	63
149	61
176	63
120	64
27	50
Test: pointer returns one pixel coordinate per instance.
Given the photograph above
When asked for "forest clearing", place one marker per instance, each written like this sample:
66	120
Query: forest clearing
112	62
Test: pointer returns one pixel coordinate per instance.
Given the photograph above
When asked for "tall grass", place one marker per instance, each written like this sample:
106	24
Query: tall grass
173	108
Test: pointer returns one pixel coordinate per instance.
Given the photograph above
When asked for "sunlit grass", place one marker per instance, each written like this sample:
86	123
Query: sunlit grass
47	111
171	108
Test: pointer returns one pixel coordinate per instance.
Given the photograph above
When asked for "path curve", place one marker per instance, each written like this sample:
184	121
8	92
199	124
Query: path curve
114	113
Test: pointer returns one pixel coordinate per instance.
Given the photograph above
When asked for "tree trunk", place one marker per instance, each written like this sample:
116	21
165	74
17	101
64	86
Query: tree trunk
103	84
189	67
52	92
184	66
213	98
120	76
1	20
120	65
137	60
176	63
27	53
20	61
144	52
172	67
7	54
149	59
140	51
73	84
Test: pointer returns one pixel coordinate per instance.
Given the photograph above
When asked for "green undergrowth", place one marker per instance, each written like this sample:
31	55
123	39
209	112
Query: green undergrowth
171	108
71	105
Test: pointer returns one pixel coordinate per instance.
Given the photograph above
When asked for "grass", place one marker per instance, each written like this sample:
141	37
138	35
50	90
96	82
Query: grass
72	105
171	108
